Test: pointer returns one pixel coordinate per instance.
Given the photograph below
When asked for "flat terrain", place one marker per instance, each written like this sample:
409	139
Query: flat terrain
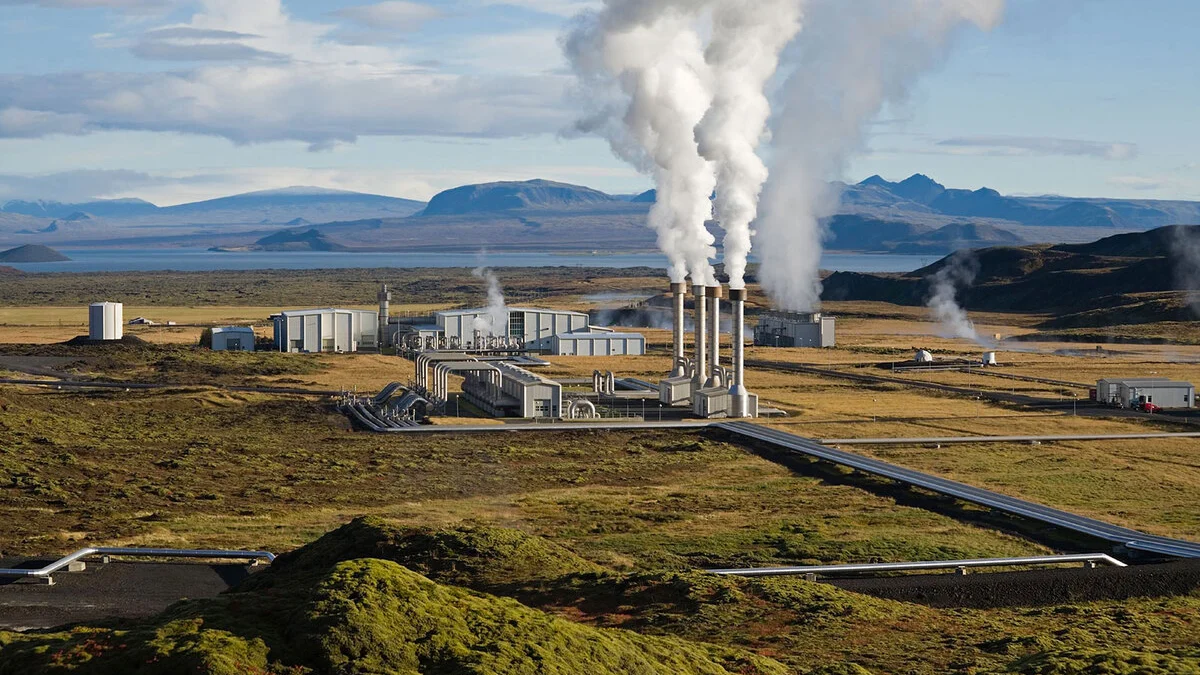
196	465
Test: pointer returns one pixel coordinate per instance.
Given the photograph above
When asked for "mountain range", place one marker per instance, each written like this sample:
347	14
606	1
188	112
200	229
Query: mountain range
917	215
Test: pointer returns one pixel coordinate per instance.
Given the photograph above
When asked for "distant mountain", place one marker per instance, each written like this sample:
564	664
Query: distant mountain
1127	278
858	233
32	253
509	196
307	203
921	200
647	197
296	240
105	208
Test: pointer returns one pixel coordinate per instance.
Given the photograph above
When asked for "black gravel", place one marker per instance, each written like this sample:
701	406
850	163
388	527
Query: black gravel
115	590
1033	588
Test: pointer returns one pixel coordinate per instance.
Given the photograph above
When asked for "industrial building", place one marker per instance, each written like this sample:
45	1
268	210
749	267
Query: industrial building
598	343
506	390
526	329
1159	391
326	330
795	329
105	321
233	339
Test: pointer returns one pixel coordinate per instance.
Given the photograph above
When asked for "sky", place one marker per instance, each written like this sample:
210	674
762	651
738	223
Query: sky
181	100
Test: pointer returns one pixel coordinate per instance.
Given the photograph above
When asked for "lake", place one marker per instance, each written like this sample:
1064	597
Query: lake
199	259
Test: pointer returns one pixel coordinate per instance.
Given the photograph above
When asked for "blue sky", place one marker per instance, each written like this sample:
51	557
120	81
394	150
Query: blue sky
177	100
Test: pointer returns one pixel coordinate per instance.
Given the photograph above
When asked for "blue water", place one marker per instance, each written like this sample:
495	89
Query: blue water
199	259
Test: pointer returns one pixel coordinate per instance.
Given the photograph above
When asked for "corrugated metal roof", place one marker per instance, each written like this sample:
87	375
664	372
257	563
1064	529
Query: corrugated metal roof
1147	382
597	336
484	310
233	329
327	310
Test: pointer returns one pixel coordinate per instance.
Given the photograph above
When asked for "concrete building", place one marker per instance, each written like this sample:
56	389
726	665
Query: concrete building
535	328
105	321
326	330
516	392
233	339
793	329
1162	392
598	344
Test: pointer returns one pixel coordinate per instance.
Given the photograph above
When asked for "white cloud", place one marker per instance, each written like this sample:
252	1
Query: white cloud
1029	145
133	6
555	7
287	79
394	14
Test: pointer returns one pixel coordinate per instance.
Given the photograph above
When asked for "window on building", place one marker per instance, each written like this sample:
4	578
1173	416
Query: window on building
516	324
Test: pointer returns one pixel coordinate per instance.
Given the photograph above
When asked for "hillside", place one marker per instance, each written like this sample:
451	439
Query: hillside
1128	278
507	196
297	240
32	253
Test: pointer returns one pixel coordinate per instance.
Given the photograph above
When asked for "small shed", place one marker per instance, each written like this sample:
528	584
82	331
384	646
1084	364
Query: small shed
233	339
1162	392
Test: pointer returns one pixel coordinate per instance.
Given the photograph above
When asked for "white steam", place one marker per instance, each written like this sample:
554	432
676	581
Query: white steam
641	67
856	56
495	320
747	39
960	270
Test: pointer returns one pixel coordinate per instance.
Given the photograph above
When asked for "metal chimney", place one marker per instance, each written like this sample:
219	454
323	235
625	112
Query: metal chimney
714	310
738	394
385	301
701	374
678	291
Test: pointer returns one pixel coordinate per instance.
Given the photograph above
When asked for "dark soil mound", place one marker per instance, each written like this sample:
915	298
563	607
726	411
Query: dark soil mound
85	341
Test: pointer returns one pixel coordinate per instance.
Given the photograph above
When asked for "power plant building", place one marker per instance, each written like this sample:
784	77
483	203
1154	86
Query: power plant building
326	330
1130	393
233	339
599	344
105	321
505	390
795	329
533	327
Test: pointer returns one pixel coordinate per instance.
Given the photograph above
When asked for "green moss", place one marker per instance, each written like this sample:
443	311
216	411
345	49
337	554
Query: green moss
1110	662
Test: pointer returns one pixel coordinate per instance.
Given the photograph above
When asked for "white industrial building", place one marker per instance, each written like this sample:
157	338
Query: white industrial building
233	339
546	331
598	343
505	390
795	329
326	330
105	321
1162	392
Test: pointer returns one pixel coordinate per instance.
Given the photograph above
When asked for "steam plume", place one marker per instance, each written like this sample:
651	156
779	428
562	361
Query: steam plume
747	39
1184	243
959	270
856	57
641	68
496	320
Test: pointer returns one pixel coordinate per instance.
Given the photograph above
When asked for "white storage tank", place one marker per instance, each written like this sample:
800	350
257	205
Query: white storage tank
923	356
105	321
989	358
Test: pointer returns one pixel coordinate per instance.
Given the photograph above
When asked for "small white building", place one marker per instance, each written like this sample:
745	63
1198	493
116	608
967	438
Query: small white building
795	329
520	394
233	339
105	321
326	330
1162	392
598	344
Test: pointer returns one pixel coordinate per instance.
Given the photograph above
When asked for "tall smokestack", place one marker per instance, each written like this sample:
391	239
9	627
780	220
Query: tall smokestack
701	375
385	301
714	310
678	291
739	396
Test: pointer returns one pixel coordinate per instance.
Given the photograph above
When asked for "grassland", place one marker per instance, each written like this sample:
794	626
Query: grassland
633	514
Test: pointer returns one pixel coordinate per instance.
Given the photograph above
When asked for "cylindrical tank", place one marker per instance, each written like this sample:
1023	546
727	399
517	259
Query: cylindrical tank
737	390
106	321
923	356
989	358
701	375
678	291
714	335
